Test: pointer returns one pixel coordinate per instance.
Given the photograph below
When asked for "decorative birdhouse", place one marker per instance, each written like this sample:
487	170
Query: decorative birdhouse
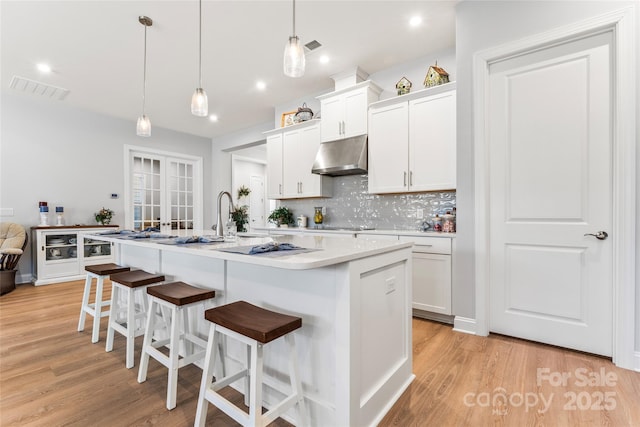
436	76
403	86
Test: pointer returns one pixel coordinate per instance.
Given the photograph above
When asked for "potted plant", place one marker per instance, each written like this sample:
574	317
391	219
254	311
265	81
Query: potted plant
240	215
281	216
103	216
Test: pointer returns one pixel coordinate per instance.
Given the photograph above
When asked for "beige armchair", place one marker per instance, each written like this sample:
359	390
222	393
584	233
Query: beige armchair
13	240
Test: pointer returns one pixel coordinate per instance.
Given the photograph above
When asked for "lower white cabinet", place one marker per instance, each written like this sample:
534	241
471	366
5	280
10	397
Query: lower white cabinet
431	274
60	254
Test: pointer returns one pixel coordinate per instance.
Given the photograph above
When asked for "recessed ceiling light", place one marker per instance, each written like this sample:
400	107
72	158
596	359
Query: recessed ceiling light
213	118
415	21
261	85
44	68
324	59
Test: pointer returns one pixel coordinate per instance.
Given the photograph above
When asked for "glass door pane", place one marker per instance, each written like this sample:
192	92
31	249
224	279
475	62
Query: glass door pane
180	186
146	191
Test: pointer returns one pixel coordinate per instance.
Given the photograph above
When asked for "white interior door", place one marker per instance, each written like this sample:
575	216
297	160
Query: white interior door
550	145
256	202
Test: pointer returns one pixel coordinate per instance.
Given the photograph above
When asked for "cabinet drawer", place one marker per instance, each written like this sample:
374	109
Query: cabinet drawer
430	245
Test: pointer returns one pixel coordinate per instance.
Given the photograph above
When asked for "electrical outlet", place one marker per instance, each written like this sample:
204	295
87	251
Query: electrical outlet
419	213
391	285
324	210
114	195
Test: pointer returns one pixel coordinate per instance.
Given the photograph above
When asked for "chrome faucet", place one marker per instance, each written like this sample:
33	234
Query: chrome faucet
219	226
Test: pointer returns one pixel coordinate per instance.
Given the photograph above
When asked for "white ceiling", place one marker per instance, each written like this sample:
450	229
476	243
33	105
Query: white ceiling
95	49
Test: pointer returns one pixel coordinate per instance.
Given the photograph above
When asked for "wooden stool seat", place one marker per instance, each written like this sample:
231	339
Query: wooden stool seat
98	272
136	278
180	293
123	315
254	327
254	322
178	297
106	269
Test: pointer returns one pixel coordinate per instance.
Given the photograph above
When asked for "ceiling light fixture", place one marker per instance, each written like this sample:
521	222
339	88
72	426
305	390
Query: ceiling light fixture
261	85
44	68
294	60
199	101
415	21
213	118
143	127
324	59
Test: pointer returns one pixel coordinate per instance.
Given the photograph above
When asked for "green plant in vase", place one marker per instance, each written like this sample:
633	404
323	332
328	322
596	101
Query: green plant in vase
281	216
241	217
104	215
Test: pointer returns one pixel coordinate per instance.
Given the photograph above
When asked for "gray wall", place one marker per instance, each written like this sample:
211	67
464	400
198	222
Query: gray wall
74	158
481	25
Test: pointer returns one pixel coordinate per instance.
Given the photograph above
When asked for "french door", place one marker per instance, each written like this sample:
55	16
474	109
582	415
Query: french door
163	191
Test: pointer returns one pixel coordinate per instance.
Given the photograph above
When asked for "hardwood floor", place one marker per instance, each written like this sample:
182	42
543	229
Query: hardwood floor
51	375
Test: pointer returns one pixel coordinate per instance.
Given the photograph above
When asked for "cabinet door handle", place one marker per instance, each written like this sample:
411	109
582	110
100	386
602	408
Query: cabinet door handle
344	127
339	128
410	178
405	179
300	187
279	188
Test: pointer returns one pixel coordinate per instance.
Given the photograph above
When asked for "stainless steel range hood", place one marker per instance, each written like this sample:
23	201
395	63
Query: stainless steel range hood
342	157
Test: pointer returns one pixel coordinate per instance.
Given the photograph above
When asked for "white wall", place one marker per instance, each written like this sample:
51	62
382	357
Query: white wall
74	158
481	25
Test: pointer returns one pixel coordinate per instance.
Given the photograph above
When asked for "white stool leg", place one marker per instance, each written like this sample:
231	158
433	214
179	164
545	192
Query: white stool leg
174	342
85	302
247	378
207	377
296	383
255	398
113	315
148	340
97	311
131	327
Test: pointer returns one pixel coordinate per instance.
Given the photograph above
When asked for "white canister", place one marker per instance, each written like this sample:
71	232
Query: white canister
302	221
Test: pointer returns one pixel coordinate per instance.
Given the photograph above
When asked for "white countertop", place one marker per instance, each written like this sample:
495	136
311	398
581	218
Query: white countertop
332	250
398	232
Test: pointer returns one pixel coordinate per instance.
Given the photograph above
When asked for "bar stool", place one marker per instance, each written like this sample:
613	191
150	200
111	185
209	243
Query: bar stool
130	283
178	297
253	326
98	272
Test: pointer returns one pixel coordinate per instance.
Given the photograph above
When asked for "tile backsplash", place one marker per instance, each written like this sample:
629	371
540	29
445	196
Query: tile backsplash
352	206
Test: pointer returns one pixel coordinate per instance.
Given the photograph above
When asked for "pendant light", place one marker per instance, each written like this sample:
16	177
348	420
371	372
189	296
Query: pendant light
294	60
143	127
199	102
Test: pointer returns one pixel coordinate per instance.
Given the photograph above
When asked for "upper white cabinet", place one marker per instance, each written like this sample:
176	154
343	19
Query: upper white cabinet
412	142
291	152
274	166
344	112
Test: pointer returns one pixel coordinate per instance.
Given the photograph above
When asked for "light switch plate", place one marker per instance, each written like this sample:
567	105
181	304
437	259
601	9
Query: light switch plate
419	213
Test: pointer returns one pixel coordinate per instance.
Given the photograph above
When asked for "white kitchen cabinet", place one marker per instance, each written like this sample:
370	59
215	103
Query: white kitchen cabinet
344	112
291	152
274	166
431	274
412	142
60	254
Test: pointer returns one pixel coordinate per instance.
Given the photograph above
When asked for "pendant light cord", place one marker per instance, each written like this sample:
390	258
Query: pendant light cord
144	70
294	18
200	49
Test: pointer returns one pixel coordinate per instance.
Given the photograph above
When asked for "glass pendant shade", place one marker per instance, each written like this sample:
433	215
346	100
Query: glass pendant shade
294	60
199	103
143	127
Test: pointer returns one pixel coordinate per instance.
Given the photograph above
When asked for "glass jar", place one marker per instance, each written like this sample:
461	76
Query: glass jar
317	216
437	223
449	223
232	230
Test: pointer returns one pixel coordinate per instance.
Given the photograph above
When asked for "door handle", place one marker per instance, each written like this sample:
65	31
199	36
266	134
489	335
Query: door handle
600	235
405	179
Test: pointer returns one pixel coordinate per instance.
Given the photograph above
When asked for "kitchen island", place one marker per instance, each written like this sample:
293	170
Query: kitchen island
354	298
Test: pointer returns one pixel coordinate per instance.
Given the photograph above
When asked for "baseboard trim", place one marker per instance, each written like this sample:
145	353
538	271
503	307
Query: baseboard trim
465	325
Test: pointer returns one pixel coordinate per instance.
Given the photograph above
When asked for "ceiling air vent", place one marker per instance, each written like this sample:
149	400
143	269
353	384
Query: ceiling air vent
33	87
312	45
